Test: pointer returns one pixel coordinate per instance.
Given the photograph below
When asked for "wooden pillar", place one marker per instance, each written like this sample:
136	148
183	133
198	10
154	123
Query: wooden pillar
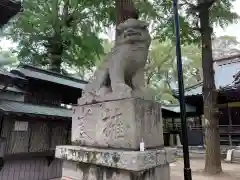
174	128
230	125
172	134
200	124
173	124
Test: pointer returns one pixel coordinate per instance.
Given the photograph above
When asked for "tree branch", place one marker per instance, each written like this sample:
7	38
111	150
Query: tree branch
65	14
189	4
206	3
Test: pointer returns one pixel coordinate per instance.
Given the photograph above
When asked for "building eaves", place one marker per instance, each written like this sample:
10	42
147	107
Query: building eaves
17	107
28	71
9	8
176	108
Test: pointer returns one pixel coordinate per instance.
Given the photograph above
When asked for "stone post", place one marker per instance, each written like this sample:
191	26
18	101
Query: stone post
106	139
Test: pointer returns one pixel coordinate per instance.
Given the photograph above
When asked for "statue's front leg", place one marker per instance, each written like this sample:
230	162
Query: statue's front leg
139	86
138	80
118	83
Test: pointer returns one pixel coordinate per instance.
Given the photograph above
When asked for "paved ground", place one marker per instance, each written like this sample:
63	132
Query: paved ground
231	171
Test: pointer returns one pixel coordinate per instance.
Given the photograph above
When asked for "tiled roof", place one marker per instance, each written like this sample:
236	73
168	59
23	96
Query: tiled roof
224	76
12	89
176	108
191	90
45	75
10	75
25	108
8	8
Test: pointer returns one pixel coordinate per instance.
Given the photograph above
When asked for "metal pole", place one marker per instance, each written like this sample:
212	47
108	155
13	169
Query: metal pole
187	169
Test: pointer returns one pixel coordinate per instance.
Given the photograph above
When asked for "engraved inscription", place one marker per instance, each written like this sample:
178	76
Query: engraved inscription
115	126
150	110
82	133
114	129
85	112
82	121
149	158
107	113
63	153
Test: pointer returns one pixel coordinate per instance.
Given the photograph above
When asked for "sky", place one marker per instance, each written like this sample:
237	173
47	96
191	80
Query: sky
232	30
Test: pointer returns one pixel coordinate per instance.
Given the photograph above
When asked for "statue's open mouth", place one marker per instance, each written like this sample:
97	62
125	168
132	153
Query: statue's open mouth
129	34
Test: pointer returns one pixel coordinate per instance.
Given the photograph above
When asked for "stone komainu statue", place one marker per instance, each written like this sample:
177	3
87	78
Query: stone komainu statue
122	73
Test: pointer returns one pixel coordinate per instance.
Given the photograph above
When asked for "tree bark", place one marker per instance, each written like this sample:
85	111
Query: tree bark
212	138
124	10
56	44
55	51
199	75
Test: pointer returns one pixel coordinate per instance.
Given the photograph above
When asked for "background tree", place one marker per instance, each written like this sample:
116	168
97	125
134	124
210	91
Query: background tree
212	137
60	32
161	70
211	122
8	60
57	31
196	19
86	73
204	13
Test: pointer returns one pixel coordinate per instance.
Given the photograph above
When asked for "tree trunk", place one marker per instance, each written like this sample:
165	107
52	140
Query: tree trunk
124	10
199	75
54	45
55	51
212	138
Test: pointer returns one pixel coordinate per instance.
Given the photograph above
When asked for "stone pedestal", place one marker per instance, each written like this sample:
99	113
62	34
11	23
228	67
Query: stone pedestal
172	140
233	155
178	141
106	138
83	163
120	123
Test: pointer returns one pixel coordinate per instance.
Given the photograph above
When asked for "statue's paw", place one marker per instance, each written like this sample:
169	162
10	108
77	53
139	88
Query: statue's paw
87	98
123	90
104	91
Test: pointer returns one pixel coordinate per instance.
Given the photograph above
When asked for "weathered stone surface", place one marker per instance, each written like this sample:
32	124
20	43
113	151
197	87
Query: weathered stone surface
229	155
118	124
76	171
128	160
144	93
233	156
123	70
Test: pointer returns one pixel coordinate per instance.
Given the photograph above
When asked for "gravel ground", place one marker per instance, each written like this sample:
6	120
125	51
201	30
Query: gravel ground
231	171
